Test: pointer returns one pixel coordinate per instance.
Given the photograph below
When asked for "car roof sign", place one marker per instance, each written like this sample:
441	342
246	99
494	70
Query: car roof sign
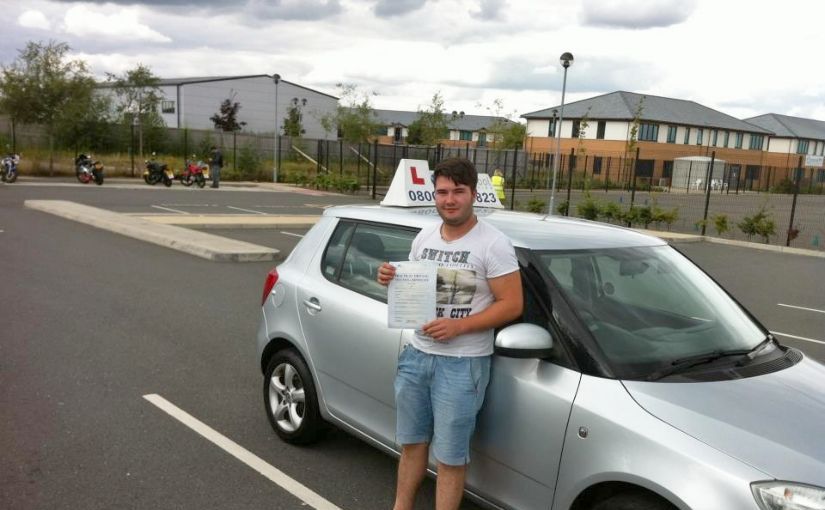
412	186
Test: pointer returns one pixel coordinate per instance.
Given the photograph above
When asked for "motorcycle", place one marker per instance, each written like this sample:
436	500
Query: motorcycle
195	172
8	168
156	172
87	169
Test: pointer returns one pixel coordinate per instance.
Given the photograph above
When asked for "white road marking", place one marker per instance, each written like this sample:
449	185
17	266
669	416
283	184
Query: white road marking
799	337
294	487
800	308
170	209
284	233
245	210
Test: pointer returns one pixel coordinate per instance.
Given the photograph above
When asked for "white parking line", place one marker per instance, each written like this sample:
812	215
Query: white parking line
284	233
799	337
800	308
244	210
297	489
170	209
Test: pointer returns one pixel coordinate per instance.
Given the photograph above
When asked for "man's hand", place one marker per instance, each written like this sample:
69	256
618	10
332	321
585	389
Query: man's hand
386	272
443	329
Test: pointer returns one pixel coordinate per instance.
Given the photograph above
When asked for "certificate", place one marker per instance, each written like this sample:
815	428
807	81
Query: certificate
411	294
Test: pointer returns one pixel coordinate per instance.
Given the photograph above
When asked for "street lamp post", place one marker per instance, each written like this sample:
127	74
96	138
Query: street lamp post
566	60
276	78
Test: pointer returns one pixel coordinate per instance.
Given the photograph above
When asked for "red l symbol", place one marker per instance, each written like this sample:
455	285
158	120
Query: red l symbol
415	178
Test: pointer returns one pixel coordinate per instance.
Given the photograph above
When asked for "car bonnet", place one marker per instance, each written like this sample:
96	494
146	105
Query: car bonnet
773	422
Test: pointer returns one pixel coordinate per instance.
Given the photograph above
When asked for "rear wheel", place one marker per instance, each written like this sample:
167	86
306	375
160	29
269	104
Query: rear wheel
186	180
633	501
200	180
167	181
290	398
99	178
10	176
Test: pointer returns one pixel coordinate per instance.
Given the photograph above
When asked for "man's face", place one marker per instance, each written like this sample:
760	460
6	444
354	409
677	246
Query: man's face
454	202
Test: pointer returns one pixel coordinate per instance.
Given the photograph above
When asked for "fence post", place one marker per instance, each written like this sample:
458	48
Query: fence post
374	166
811	182
341	158
708	174
690	169
633	185
607	176
585	171
513	184
569	179
797	177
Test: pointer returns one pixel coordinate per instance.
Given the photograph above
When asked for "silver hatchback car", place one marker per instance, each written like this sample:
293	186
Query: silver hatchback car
632	381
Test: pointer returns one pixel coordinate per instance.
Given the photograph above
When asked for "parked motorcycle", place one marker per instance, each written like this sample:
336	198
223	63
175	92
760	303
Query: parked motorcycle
156	172
8	168
87	169
195	172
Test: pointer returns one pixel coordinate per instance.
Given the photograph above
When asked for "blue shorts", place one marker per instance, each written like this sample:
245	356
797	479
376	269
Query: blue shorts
437	399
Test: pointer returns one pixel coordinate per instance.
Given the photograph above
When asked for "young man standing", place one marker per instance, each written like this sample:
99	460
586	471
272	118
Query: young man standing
443	374
215	165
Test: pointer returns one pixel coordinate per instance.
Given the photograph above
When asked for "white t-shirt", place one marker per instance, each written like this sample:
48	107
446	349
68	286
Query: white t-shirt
464	265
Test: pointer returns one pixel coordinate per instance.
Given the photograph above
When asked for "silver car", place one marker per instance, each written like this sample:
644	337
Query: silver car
632	381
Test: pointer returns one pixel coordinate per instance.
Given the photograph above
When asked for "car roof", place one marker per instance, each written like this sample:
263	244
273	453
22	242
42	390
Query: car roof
526	230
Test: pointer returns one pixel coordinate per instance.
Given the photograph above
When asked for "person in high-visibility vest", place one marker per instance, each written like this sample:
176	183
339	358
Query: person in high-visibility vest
498	184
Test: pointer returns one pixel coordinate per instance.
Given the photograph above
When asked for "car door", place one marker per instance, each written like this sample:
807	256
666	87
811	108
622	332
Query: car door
521	428
343	314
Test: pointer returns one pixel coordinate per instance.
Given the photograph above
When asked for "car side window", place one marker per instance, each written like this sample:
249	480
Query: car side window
363	247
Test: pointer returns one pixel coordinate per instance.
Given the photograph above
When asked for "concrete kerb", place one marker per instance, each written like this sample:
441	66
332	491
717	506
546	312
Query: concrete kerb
200	244
678	238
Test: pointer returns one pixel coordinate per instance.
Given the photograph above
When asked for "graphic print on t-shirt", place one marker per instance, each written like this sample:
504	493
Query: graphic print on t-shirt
455	286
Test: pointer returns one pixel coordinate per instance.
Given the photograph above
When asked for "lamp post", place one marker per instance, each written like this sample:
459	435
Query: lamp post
566	60
276	78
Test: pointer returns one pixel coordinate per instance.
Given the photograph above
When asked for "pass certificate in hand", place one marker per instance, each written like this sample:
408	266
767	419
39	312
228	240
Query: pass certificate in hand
411	294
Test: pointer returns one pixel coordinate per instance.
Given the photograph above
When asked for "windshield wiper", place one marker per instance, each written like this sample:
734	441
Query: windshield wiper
759	347
683	364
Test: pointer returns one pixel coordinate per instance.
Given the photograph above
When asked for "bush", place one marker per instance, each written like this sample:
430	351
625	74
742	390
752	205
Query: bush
720	223
248	166
563	208
535	205
611	212
666	217
760	224
588	208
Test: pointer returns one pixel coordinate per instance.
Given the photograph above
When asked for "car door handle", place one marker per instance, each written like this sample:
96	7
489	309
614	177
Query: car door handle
312	304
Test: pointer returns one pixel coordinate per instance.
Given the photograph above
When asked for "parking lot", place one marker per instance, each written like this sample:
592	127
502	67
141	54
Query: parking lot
128	370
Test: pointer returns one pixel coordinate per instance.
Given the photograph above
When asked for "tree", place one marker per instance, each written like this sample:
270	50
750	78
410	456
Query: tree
633	138
43	87
293	122
138	97
354	118
227	118
504	132
432	124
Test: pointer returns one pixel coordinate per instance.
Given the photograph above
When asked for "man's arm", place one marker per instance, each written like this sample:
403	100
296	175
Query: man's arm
508	305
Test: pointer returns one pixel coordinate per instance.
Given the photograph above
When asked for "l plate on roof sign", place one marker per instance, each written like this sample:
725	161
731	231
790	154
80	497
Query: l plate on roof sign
412	186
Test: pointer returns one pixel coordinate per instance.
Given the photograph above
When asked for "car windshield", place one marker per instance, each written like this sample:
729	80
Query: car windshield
649	307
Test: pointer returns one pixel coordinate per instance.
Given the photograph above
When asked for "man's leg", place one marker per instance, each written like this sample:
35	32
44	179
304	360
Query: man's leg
449	487
411	470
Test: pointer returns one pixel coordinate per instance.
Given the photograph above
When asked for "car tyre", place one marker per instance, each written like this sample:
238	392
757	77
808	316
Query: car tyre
633	501
290	398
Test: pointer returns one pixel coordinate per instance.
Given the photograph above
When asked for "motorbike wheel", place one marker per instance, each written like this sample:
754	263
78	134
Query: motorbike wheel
10	177
80	177
167	181
99	179
201	181
148	180
3	175
186	180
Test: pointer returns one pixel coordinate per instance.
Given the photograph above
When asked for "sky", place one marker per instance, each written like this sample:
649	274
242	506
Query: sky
741	57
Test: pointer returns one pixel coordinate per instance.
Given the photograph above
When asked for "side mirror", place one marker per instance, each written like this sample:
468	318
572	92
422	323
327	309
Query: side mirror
524	340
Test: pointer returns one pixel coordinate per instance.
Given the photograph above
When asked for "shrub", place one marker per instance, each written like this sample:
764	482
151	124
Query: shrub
535	205
611	212
563	208
588	208
760	224
720	223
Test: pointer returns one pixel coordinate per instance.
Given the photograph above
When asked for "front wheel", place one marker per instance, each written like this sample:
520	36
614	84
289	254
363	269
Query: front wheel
167	181
99	178
10	177
633	501
200	180
186	180
290	398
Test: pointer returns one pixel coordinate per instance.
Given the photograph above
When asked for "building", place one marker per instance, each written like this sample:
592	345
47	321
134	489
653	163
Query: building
190	102
473	130
601	127
792	137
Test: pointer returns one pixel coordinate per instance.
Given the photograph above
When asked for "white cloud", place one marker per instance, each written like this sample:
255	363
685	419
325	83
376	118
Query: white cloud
637	14
81	20
34	19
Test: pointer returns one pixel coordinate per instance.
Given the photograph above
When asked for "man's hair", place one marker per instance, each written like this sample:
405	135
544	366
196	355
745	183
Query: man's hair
458	170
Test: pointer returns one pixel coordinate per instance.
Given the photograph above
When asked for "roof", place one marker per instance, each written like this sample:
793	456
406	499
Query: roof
786	126
622	105
209	79
526	230
460	122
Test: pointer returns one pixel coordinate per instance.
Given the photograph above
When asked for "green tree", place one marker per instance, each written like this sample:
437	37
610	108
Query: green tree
354	118
42	86
633	137
433	123
293	122
226	119
138	96
505	133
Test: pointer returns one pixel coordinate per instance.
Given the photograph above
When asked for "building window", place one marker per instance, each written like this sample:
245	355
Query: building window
597	165
482	139
167	106
756	142
465	135
687	136
739	137
576	127
600	130
715	136
820	175
727	138
648	132
667	169
699	135
671	134
802	147
551	130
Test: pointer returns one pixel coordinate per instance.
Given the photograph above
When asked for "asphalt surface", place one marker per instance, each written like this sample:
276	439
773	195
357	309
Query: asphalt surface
92	322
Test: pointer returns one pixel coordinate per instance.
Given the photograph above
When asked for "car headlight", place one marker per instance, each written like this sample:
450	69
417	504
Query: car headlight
777	495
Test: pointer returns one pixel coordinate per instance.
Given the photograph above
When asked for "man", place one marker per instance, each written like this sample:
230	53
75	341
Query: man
215	165
442	375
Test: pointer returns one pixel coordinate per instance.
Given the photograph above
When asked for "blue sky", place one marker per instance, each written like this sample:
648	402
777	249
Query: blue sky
741	57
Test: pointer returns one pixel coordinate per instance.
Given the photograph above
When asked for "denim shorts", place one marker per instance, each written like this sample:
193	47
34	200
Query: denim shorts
437	399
